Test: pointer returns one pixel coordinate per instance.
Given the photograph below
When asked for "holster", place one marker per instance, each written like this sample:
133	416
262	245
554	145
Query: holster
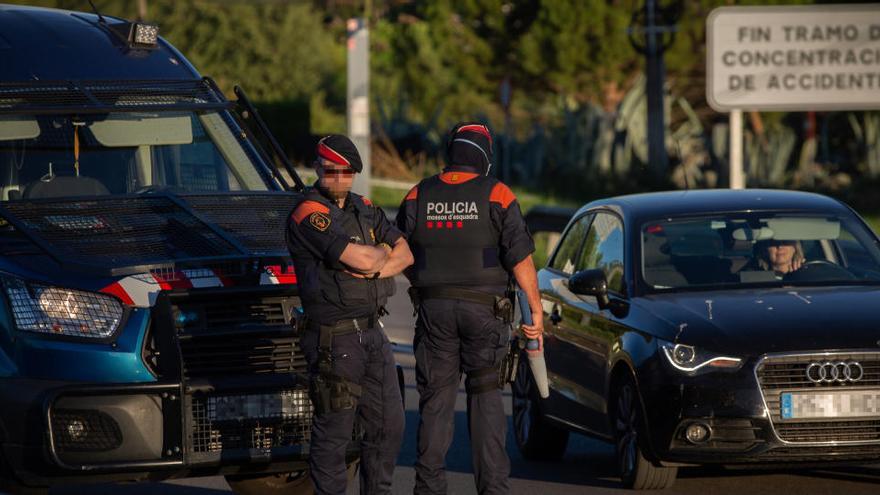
504	309
328	391
510	362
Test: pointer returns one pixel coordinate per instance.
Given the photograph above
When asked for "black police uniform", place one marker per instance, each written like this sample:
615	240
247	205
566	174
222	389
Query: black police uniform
466	233
349	356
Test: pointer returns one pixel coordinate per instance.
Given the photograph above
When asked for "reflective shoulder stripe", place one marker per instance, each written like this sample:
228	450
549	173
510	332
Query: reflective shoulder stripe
306	208
502	194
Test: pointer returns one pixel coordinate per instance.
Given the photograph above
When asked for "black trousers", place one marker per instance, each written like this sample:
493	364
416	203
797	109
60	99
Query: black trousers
367	360
452	337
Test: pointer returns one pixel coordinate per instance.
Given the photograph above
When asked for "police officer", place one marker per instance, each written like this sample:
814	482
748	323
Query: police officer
468	237
344	251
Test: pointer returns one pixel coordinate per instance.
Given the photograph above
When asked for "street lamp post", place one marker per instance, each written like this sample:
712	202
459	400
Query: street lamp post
651	32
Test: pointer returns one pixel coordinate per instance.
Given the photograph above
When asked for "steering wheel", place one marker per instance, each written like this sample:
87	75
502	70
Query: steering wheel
820	263
817	270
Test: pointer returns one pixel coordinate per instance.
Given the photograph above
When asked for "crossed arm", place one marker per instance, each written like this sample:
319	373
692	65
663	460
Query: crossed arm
366	261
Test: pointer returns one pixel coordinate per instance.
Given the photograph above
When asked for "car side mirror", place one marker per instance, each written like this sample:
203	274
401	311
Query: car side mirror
591	283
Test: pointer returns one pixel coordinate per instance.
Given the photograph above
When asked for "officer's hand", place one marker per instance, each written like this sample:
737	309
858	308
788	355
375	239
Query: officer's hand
536	329
540	345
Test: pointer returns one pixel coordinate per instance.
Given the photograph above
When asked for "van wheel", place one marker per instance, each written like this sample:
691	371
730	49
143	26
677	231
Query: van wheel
292	483
537	439
636	471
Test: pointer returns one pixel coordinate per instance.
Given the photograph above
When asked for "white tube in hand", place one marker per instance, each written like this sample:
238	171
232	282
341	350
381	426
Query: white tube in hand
534	351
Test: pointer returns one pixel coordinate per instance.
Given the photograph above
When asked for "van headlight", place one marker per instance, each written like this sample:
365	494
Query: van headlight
691	360
57	311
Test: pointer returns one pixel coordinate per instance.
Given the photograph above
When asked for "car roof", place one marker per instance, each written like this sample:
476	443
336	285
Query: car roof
53	45
637	207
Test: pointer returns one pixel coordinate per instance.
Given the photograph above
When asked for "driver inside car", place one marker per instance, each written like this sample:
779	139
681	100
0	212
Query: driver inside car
780	256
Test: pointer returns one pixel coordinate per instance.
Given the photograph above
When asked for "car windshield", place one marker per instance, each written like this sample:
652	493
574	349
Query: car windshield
52	156
757	249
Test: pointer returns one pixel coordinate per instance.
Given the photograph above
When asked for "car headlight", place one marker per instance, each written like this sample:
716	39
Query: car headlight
693	361
54	310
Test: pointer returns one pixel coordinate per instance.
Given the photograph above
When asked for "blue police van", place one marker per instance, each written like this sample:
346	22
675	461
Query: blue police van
147	302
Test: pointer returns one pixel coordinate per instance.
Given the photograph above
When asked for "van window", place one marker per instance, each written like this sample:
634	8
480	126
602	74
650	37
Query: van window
122	153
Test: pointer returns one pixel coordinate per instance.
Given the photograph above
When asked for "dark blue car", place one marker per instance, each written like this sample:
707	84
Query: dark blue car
710	327
147	304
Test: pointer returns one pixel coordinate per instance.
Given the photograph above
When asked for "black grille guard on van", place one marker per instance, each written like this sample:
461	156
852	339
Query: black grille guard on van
49	97
128	234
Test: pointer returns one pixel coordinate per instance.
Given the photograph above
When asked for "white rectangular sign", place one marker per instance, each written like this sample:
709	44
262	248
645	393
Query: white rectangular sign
818	57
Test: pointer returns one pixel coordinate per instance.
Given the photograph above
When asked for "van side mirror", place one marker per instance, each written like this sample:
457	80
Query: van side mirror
591	283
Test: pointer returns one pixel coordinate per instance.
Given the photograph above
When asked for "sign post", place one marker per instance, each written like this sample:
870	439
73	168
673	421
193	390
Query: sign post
737	177
358	99
791	58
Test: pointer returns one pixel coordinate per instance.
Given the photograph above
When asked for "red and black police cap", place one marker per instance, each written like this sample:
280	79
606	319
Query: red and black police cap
338	149
470	145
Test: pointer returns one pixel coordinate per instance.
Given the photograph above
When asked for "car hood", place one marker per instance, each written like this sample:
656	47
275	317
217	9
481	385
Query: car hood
754	322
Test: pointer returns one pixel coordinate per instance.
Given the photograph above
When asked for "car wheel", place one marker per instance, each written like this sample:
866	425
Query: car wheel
292	483
636	471
536	438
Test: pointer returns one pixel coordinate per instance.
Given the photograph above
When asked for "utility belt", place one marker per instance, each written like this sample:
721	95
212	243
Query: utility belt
327	390
502	306
350	325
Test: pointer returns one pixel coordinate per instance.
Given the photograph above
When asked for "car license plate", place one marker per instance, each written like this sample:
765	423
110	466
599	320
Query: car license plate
287	404
834	404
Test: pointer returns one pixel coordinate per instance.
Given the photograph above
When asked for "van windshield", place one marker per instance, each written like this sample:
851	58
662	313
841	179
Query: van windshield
52	156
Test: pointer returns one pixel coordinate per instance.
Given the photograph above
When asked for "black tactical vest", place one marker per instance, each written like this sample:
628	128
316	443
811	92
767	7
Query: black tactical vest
338	295
455	242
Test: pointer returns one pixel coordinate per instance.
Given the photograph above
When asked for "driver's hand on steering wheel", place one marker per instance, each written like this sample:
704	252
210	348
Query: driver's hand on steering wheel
796	264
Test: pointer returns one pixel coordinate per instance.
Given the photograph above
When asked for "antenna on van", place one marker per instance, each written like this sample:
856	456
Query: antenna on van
97	12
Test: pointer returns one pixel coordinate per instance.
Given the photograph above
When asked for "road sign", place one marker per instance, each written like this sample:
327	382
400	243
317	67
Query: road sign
818	57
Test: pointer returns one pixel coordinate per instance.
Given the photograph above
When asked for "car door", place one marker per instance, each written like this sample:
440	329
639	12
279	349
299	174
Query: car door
583	332
597	330
562	353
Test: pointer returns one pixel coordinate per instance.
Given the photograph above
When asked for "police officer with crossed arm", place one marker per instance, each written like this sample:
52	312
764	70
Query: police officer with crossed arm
469	238
345	252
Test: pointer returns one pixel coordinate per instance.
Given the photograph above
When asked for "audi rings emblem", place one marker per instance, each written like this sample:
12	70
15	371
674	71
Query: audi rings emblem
830	372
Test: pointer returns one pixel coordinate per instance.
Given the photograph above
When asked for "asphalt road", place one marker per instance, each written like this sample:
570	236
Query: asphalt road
588	466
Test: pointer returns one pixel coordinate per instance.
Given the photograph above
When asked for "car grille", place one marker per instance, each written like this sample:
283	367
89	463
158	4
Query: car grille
210	434
821	454
246	335
778	374
233	355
